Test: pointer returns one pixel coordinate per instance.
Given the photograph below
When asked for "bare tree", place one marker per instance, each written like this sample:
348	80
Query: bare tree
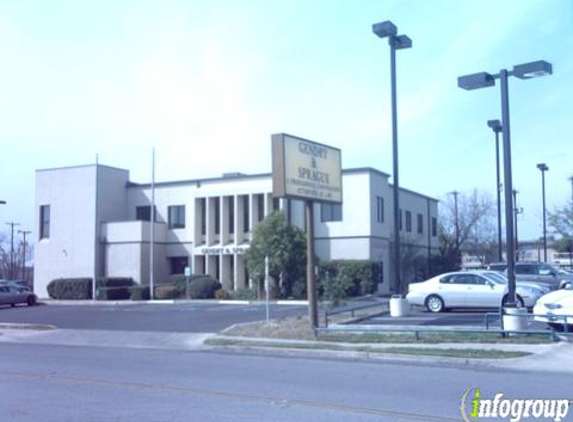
476	229
20	261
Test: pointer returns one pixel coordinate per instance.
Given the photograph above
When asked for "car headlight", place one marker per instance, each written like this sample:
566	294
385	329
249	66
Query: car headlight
553	306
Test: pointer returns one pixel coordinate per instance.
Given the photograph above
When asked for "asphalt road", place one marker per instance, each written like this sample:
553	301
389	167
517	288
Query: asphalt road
180	317
70	384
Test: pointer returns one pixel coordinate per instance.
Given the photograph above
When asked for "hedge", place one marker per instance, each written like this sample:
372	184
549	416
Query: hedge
139	292
70	288
109	288
349	278
114	293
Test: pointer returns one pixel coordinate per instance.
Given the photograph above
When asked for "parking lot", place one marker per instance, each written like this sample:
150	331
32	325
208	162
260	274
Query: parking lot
467	318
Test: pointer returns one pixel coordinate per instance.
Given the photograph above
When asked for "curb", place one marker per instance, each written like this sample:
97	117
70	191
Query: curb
23	326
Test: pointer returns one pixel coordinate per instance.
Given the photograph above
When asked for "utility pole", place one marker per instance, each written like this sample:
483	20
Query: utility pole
24	233
12	224
571	180
516	211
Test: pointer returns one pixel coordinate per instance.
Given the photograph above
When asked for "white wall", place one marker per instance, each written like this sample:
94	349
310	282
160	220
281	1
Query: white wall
69	250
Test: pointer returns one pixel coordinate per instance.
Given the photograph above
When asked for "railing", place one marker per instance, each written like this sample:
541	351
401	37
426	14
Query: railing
351	310
416	330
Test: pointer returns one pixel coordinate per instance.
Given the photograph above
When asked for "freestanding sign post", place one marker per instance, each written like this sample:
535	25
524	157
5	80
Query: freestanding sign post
311	172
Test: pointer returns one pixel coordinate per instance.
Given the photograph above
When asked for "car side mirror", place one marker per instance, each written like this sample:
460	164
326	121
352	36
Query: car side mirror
490	283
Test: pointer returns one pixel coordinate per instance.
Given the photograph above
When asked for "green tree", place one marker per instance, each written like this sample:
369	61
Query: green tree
285	245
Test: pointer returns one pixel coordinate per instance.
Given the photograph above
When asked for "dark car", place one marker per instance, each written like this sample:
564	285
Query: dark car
540	272
497	266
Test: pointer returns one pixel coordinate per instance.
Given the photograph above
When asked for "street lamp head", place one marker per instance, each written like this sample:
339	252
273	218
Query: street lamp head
384	29
542	167
2	202
476	81
495	125
532	70
401	42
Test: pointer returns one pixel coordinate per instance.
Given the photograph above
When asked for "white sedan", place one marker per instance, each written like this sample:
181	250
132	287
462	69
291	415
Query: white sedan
553	307
466	290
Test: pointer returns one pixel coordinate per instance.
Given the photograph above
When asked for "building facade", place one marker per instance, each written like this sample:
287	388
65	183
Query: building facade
93	221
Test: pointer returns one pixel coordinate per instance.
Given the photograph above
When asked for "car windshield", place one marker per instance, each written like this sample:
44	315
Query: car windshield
496	277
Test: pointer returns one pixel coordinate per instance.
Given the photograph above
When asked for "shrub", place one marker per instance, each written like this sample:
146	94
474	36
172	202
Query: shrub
113	293
139	292
166	291
222	294
245	293
348	278
115	282
70	288
203	287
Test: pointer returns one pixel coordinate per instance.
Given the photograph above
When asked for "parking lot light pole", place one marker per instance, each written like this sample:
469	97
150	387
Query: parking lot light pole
495	125
483	80
388	30
543	168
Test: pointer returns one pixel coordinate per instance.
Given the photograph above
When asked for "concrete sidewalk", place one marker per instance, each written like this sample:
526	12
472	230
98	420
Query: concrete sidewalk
103	338
557	357
168	302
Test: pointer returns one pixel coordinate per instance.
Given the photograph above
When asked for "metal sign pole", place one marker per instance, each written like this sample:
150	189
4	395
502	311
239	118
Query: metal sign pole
310	276
267	305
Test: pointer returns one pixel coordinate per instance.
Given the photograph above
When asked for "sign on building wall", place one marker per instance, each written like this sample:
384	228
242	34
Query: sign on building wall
306	170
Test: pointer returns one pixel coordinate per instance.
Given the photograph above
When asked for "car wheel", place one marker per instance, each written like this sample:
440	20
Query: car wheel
12	305
434	303
31	300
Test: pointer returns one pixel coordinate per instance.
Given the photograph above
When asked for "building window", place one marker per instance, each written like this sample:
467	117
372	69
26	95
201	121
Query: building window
217	212
176	216
434	227
379	209
143	213
276	204
400	221
261	206
178	264
330	212
408	221
44	222
231	214
246	216
203	207
420	224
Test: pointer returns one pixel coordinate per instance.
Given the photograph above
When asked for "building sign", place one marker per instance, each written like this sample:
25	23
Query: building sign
224	251
306	170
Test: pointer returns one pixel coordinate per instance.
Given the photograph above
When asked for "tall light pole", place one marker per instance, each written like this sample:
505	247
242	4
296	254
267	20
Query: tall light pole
543	168
483	80
24	233
456	220
495	125
516	212
388	30
12	225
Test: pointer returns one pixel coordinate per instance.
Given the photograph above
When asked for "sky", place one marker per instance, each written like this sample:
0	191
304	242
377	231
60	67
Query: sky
206	83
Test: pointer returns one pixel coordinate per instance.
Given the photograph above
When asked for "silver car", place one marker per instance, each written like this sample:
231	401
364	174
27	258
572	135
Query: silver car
12	294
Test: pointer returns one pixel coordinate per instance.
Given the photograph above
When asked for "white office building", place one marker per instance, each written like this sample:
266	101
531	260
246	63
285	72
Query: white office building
93	220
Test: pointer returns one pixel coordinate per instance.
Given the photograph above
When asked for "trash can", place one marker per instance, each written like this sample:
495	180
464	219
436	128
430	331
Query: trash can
399	306
514	319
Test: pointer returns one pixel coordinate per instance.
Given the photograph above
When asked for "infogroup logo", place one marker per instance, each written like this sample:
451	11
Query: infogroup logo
474	407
